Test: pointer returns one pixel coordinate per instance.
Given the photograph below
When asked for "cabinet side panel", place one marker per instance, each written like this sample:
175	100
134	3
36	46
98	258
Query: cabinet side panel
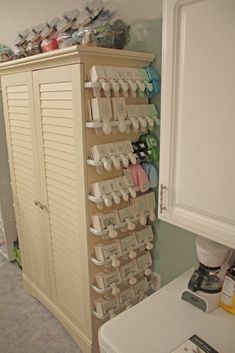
18	110
60	127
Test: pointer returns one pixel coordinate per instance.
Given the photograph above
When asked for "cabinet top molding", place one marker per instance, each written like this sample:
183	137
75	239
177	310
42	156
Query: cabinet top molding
77	54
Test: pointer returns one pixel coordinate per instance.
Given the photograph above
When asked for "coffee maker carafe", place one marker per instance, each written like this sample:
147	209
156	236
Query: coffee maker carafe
206	281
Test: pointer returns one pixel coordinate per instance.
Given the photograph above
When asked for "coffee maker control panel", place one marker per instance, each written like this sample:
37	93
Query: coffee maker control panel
193	299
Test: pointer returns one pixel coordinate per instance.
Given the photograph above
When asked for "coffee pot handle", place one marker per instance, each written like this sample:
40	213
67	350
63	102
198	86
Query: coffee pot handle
195	281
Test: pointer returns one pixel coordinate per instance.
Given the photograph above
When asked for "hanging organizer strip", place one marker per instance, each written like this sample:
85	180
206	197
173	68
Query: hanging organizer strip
124	250
108	113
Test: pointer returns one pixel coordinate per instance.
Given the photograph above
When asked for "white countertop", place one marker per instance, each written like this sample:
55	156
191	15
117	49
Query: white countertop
163	321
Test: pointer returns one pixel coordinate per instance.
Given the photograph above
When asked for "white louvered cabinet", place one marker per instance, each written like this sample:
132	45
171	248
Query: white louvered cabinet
46	108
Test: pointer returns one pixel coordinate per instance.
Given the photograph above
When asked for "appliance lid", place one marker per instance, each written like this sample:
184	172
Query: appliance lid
210	253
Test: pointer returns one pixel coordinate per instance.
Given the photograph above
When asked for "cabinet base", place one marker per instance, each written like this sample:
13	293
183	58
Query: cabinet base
84	344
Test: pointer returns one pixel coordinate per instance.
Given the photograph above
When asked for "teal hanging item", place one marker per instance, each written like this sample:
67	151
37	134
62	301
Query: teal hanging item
154	79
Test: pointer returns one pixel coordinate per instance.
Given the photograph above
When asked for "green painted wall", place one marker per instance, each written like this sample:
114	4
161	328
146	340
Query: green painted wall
174	248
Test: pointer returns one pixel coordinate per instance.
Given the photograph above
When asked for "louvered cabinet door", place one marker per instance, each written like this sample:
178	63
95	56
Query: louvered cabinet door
20	126
58	102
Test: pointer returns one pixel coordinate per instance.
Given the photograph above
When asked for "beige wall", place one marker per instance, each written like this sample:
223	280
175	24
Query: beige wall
16	15
174	249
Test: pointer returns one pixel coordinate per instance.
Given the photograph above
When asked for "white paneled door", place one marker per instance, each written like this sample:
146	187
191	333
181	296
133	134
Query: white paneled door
197	167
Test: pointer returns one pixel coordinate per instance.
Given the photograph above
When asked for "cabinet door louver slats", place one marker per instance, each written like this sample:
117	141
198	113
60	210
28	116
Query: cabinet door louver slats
60	172
56	114
18	110
58	162
61	185
20	140
67	298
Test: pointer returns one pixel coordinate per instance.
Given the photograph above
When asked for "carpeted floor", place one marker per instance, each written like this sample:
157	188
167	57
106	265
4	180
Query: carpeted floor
25	325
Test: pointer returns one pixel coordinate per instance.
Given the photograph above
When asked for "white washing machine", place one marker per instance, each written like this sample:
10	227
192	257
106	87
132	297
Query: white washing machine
163	321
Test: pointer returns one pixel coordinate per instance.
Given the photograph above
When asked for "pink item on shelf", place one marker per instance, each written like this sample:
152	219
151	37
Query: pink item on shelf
49	44
139	177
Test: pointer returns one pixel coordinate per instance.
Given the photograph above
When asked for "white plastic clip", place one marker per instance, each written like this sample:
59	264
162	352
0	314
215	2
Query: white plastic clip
147	271
115	289
107	164
116	198
133	88
124	160
135	123
150	121
107	129
124	87
107	200
130	224
115	261
115	87
140	85
124	195
116	162
132	253
143	219
106	87
132	279
149	245
121	124
132	191
143	122
132	158
112	232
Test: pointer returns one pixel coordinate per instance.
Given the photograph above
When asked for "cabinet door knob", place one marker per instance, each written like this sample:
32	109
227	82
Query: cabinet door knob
43	207
38	203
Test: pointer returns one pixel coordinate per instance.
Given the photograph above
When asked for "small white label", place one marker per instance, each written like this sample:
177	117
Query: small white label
104	280
145	234
228	291
128	180
125	213
110	147
128	242
111	185
99	151
144	261
128	268
119	147
108	219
